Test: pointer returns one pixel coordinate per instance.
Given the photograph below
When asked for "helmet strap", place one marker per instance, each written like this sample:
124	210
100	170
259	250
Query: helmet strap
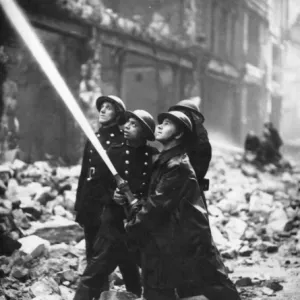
109	124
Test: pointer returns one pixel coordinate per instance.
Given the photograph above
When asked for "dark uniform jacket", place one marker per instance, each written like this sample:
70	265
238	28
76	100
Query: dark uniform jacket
275	138
267	153
133	164
173	225
199	150
96	183
252	143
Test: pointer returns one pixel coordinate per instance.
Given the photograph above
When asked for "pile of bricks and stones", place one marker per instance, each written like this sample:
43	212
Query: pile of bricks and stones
252	213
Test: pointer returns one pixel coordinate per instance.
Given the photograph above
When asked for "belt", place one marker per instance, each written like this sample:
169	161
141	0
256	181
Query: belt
91	172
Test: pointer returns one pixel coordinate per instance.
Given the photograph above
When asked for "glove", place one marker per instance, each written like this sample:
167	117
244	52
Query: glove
119	197
123	186
135	205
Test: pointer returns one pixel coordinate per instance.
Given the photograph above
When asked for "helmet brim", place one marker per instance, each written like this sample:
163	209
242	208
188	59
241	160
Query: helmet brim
103	99
149	134
167	115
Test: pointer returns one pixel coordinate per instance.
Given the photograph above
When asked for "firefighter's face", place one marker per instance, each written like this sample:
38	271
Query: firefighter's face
133	129
166	131
107	113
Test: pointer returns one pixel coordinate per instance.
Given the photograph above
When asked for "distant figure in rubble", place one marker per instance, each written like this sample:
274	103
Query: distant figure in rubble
264	150
251	147
267	152
252	142
274	135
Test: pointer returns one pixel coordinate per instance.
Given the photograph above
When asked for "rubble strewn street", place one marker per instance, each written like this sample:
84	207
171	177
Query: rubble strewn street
254	216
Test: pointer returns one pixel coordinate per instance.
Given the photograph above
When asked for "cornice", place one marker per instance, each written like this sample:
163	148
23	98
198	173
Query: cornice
261	7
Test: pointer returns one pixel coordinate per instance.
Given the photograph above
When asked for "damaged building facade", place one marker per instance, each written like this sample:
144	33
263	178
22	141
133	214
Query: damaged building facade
98	52
242	64
150	53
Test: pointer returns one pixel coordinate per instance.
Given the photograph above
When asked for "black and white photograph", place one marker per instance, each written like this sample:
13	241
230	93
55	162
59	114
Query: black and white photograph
150	149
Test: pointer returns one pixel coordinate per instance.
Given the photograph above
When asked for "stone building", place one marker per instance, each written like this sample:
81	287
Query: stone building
278	50
240	68
234	66
290	119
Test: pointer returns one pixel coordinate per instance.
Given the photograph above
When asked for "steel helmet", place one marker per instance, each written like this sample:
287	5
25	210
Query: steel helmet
178	117
121	108
145	119
192	104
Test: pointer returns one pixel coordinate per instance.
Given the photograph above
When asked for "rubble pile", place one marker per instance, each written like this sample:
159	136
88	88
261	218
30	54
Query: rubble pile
253	214
39	251
249	209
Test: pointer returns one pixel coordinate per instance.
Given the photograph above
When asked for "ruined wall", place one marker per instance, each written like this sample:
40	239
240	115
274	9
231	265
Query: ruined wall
44	126
8	90
162	16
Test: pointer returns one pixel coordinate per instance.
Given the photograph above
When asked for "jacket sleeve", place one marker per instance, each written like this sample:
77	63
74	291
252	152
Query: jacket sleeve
160	204
82	176
200	158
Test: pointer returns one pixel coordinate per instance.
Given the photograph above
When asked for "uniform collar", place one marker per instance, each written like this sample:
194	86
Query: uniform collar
110	129
132	146
168	154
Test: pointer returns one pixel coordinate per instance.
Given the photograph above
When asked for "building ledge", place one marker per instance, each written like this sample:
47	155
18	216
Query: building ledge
259	6
253	74
222	68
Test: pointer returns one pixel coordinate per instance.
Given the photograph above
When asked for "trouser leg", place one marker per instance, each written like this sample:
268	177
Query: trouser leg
107	255
94	279
129	270
90	234
225	290
153	287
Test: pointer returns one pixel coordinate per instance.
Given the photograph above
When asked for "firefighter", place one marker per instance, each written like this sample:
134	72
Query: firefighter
94	181
132	158
252	142
274	135
267	152
197	143
177	248
96	186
